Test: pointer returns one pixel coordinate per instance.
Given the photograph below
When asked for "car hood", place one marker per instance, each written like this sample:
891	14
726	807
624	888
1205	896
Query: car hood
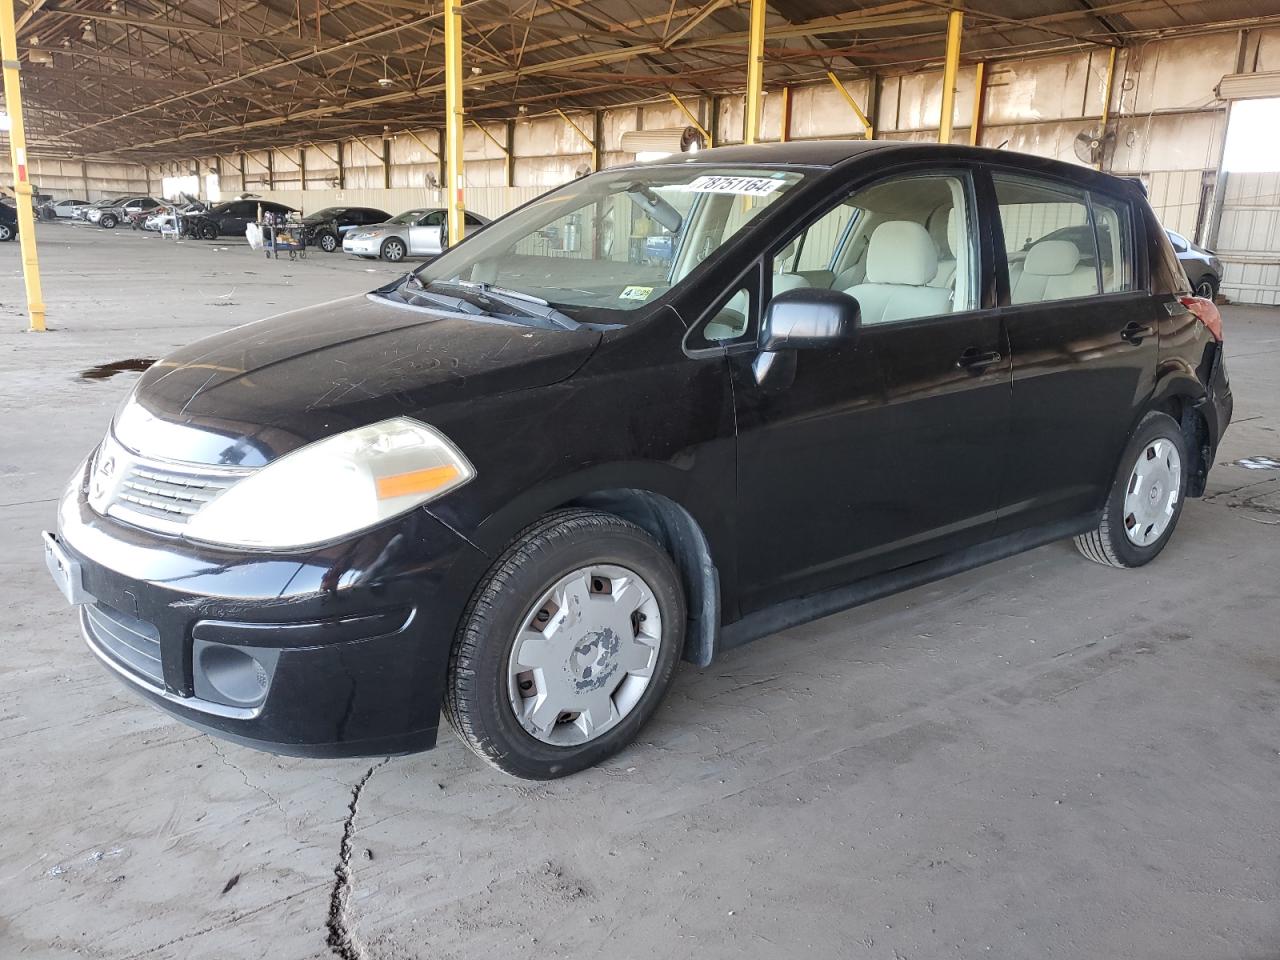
377	229
253	393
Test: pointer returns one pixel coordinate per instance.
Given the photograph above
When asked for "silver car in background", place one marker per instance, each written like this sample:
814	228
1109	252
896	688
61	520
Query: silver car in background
1203	267
415	233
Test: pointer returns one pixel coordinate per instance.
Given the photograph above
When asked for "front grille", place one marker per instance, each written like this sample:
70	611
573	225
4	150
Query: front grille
155	494
130	642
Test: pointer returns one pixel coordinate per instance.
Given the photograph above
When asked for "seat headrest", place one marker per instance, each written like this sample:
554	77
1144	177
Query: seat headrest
902	252
1052	258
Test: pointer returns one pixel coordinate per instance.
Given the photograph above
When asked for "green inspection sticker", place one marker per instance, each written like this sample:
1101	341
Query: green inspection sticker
636	293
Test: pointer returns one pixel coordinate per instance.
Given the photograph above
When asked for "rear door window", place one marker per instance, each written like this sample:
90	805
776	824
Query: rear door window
1113	235
1048	238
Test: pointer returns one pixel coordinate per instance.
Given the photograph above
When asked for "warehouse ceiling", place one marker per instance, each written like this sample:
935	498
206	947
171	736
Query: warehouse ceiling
144	79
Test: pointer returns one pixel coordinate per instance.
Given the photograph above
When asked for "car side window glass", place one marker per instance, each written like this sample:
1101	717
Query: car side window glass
473	221
903	248
1115	248
434	219
1048	238
732	318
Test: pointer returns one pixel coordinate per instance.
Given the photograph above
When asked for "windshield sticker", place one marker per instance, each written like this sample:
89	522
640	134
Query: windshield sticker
636	293
739	186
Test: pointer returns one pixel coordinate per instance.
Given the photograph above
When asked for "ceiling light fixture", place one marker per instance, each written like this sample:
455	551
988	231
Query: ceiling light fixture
385	81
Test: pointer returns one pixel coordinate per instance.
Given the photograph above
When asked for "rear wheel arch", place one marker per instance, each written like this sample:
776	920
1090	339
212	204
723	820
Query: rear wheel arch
1183	405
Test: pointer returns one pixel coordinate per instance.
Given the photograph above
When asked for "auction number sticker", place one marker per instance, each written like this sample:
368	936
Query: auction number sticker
739	186
636	293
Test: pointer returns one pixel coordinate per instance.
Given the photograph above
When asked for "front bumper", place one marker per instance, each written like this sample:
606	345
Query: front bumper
362	248
341	651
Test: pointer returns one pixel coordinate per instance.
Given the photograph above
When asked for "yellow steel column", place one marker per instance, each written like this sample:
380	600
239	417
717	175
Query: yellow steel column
755	73
1106	104
955	22
453	118
18	154
979	102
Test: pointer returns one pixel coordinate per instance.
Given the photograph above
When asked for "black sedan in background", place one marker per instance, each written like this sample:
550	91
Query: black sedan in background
8	222
325	228
230	219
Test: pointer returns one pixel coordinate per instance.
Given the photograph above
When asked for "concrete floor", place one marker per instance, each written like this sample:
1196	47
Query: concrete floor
1041	758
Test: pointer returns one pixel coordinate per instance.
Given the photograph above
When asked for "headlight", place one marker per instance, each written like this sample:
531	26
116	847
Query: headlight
333	488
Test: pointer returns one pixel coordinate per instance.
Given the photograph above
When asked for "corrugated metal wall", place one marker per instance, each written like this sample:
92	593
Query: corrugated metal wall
1249	238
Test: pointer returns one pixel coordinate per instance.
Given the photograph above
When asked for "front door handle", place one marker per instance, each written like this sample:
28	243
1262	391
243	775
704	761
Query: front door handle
1135	332
975	360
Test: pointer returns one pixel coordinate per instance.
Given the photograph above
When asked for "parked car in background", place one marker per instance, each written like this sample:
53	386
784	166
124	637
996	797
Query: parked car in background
82	213
1202	266
229	219
109	217
326	228
61	209
162	218
867	366
8	222
415	233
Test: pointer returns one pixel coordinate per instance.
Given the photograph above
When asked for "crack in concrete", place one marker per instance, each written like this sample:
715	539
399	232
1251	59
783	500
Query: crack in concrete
249	783
342	940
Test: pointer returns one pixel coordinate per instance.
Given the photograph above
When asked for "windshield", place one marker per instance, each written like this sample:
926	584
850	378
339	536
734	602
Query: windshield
614	240
409	216
328	213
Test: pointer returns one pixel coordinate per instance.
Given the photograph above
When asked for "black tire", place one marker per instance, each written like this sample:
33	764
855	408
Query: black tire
393	250
207	231
327	242
1207	286
6	232
477	705
108	221
1109	544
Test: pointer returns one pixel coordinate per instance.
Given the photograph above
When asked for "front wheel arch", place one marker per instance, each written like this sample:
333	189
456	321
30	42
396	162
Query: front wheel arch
684	541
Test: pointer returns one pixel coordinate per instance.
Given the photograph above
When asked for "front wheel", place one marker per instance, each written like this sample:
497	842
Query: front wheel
1146	497
567	646
393	250
207	231
6	232
327	242
108	221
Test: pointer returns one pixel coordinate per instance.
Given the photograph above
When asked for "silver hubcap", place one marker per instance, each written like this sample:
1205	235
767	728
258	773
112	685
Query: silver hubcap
584	654
1153	491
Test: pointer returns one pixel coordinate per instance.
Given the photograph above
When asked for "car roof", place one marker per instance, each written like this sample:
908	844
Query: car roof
835	153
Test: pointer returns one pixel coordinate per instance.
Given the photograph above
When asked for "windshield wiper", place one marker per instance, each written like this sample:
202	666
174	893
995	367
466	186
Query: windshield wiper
525	302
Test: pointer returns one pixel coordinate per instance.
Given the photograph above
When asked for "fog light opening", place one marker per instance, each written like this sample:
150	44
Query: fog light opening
236	676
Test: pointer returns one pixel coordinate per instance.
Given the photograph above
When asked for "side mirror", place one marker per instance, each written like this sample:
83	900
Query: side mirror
808	317
801	319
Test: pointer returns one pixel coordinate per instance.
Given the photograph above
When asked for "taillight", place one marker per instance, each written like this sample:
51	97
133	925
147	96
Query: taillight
1206	312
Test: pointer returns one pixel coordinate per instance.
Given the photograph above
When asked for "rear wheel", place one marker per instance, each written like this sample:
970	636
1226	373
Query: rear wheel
6	232
1146	497
393	250
1207	287
567	646
108	221
327	242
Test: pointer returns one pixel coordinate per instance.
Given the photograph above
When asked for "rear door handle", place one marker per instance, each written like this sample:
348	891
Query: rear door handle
976	360
1135	332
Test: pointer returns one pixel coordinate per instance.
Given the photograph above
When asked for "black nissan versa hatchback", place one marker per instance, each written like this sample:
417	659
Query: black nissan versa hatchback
520	483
